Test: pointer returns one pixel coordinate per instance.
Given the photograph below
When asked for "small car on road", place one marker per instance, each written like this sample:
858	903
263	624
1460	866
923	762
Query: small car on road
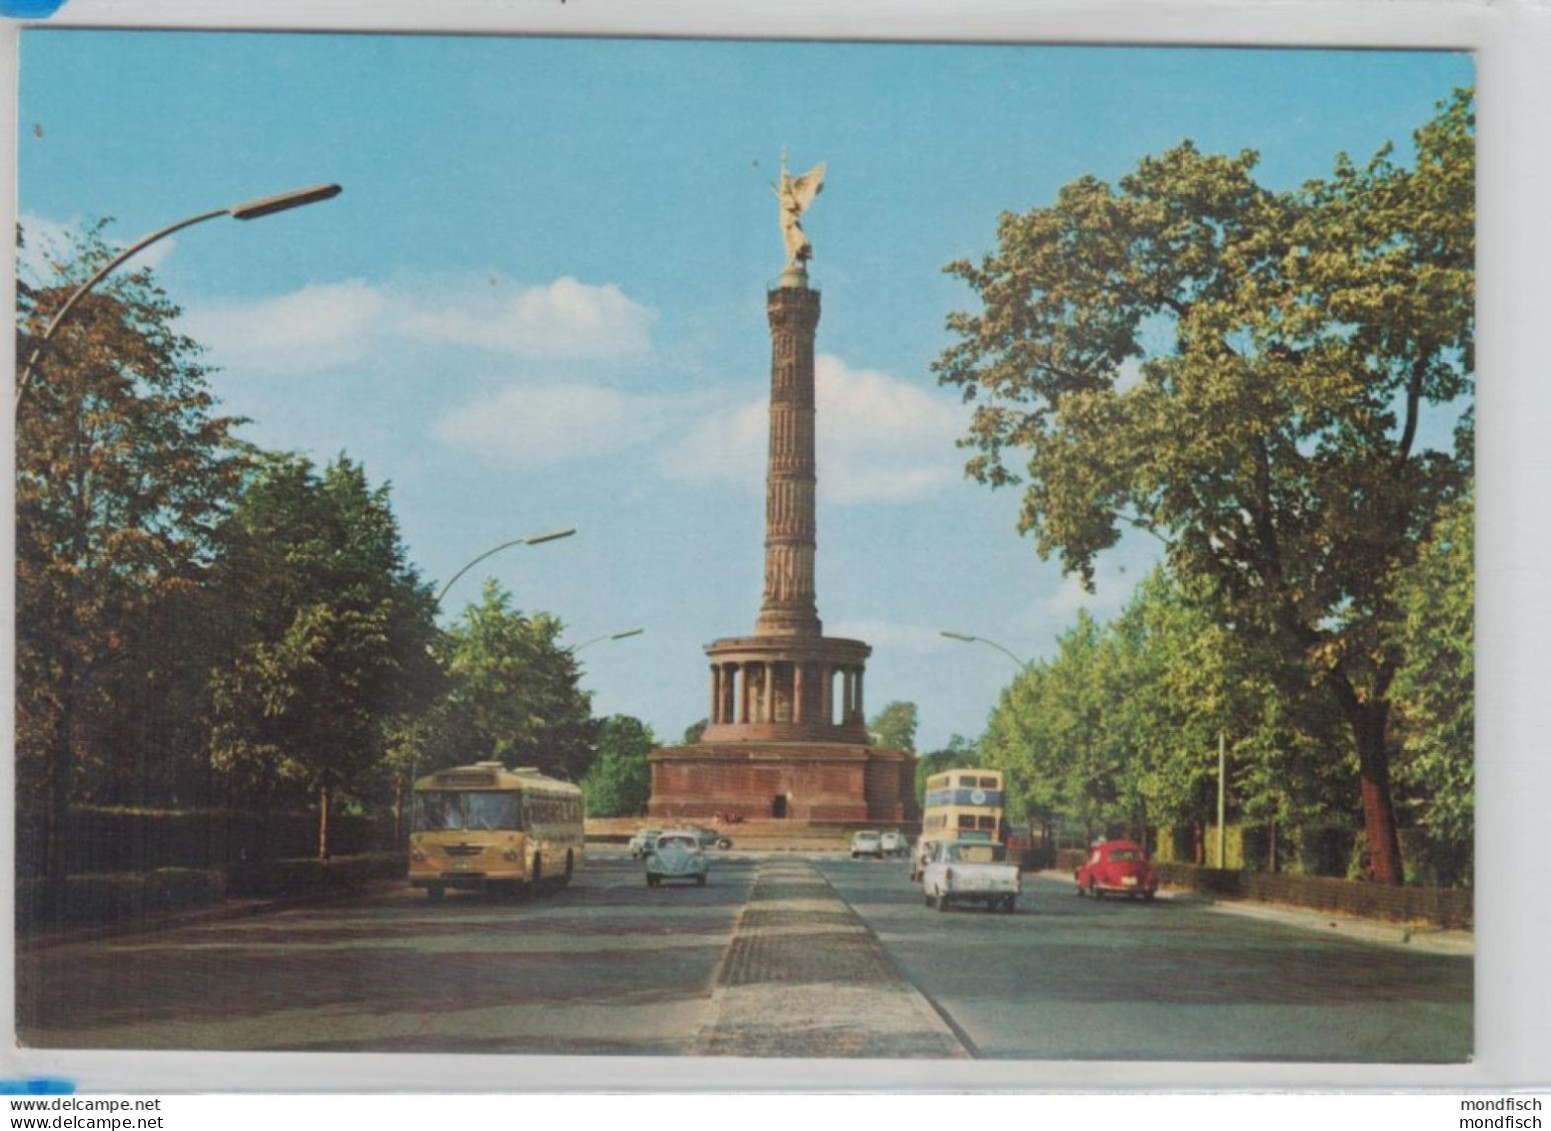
642	842
676	855
1117	867
971	871
894	843
710	838
868	842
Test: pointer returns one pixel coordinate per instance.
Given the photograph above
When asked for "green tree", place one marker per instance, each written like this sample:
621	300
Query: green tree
122	468
1434	691
513	693
619	784
1290	344
332	631
894	727
960	753
694	730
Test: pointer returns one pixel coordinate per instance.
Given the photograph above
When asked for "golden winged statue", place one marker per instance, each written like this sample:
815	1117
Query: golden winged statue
796	195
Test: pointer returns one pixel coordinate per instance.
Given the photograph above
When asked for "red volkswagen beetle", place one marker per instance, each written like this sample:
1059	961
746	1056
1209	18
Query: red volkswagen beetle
1118	866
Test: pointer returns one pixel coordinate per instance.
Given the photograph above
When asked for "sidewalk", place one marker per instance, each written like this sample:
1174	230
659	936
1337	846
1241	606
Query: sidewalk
804	977
1431	940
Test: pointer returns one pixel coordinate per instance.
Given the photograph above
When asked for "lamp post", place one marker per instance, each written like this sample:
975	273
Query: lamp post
534	540
251	210
967	639
575	648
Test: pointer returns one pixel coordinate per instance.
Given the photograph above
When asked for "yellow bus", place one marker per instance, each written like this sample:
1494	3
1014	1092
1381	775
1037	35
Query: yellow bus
487	827
960	805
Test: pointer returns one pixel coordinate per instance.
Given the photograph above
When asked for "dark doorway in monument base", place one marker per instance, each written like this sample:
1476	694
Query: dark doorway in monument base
778	805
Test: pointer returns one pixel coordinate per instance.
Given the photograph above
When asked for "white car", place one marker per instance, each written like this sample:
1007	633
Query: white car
972	871
642	842
867	843
676	855
894	843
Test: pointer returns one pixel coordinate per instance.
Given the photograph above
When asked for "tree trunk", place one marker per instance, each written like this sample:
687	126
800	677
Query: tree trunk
323	820
1369	723
398	812
57	813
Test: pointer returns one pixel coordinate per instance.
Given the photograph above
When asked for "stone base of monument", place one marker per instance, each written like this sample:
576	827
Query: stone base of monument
829	785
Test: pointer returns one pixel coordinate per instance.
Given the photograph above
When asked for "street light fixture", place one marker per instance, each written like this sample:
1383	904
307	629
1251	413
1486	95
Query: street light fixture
251	210
534	540
967	639
575	648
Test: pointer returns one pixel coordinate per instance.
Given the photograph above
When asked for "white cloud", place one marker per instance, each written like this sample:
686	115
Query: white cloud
879	438
882	438
526	425
330	324
319	327
728	445
567	318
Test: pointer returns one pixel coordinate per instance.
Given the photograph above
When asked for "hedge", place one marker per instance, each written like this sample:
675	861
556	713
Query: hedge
1442	907
115	897
101	841
109	898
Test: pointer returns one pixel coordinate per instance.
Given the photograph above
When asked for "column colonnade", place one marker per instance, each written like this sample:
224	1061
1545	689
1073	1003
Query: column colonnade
786	691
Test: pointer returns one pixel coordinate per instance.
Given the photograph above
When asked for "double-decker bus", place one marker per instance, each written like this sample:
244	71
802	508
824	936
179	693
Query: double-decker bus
960	805
484	826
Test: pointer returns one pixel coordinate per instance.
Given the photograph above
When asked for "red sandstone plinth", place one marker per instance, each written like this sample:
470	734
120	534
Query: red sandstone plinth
794	781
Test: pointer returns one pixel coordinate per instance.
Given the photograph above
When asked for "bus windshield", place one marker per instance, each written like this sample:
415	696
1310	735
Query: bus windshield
449	810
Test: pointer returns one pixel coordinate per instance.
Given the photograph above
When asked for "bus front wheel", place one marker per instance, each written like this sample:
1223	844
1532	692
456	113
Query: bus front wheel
537	875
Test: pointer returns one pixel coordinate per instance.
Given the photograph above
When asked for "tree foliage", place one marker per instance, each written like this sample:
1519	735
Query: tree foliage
1120	729
122	469
894	727
619	783
332	629
513	693
1435	693
1247	374
960	753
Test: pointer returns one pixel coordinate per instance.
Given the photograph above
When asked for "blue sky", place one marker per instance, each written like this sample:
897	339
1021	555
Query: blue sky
539	301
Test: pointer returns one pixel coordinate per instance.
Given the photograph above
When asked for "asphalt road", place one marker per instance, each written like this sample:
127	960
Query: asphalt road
1173	980
610	966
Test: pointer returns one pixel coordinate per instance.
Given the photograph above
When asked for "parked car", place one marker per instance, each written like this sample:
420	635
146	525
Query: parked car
676	855
710	838
642	842
894	843
1117	866
971	871
867	843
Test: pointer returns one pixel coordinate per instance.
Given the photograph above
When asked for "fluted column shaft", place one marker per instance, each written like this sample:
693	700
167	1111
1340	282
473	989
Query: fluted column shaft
789	607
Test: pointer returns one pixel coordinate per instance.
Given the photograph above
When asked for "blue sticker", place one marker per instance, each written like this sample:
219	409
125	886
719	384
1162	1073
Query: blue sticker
29	9
36	1085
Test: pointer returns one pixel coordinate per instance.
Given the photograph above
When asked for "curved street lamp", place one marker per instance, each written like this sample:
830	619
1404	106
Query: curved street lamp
252	210
575	648
967	639
531	541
